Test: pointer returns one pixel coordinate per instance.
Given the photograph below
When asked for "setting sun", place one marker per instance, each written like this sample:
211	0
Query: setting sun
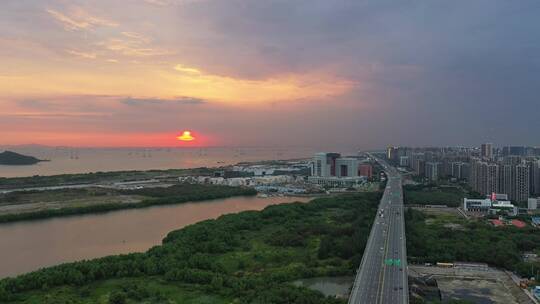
186	136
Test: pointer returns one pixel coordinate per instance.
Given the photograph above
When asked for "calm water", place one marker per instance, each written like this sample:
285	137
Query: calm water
84	160
27	246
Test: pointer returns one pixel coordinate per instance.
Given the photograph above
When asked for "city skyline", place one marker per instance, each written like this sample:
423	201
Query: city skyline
240	73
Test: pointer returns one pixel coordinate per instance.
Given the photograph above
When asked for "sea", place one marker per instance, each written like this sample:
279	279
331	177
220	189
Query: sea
67	160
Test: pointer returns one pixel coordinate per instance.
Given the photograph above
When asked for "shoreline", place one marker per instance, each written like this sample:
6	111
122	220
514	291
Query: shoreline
99	177
149	202
247	241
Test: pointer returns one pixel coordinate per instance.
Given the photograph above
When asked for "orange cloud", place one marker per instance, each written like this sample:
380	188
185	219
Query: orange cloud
313	85
79	19
132	47
82	54
152	80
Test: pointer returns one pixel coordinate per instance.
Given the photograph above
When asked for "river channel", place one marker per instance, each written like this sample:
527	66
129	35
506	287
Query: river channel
30	245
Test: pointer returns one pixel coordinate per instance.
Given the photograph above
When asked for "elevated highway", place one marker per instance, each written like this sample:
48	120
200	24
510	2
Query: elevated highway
382	275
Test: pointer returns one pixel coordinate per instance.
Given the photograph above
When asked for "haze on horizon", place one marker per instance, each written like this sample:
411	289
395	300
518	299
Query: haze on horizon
269	73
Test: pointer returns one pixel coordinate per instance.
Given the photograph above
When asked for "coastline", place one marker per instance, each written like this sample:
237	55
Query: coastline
198	194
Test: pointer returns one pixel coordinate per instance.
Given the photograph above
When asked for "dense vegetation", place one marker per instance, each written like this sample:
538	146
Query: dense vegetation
95	177
433	195
157	196
439	239
250	257
16	159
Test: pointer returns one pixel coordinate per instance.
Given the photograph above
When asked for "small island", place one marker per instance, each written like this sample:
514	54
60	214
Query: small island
16	159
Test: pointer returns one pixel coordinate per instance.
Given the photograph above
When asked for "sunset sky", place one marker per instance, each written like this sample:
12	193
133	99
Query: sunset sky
314	73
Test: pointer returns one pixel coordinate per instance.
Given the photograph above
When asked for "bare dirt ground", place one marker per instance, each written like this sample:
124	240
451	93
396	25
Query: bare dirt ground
491	286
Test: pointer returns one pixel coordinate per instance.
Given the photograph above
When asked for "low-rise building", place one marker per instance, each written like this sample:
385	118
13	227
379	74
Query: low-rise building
242	181
338	182
489	205
265	170
476	205
281	189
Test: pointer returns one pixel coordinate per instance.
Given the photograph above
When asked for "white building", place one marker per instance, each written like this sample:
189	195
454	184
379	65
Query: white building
324	164
476	205
489	205
242	181
532	203
338	182
332	170
264	170
346	167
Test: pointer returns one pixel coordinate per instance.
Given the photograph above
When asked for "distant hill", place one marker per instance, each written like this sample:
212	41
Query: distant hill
12	158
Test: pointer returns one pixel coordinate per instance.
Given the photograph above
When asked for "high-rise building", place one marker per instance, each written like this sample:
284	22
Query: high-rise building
515	181
522	183
514	150
459	170
484	177
324	164
346	167
417	163
536	168
433	170
446	168
506	180
492	178
534	172
403	161
332	170
473	174
391	153
420	167
486	151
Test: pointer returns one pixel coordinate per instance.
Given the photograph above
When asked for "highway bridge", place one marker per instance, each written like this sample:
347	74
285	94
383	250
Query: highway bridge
382	275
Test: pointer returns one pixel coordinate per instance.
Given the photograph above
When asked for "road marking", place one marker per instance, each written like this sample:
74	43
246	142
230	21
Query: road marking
381	284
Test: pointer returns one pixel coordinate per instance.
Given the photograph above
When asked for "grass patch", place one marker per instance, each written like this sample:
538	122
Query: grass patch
447	238
433	195
176	194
